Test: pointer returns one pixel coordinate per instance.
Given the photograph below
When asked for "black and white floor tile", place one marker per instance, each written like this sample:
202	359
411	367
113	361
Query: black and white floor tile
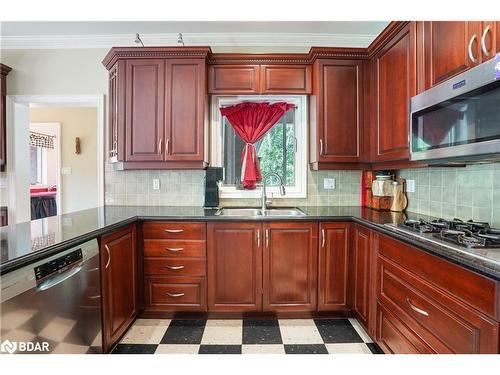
247	336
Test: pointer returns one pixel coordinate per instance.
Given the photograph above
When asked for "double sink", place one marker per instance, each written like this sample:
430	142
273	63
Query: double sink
258	212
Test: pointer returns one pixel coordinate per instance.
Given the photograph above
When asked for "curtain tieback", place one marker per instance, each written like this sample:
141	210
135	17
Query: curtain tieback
245	157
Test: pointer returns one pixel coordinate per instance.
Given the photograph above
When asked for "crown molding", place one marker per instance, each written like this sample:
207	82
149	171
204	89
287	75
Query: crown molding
305	40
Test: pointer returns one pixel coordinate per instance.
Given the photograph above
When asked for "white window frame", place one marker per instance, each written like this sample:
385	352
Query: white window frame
299	190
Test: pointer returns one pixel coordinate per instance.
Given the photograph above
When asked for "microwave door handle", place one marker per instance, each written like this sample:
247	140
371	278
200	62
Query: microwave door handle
53	281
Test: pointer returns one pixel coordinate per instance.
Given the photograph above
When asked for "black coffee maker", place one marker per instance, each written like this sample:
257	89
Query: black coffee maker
212	176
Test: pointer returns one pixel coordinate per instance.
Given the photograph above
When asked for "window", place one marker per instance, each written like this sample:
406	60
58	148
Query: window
281	150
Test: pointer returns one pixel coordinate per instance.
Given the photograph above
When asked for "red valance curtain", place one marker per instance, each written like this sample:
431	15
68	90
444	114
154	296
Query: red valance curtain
251	121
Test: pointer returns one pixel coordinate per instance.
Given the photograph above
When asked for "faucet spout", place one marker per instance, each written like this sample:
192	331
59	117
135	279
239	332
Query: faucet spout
264	197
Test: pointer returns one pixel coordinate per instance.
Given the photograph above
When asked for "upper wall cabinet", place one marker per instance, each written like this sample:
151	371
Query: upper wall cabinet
259	79
393	83
4	70
336	112
452	47
157	107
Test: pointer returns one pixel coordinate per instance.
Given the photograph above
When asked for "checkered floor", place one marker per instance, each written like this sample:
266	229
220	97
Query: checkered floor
214	336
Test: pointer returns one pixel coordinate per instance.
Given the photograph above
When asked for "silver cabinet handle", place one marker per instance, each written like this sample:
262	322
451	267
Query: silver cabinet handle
175	268
174	230
483	41
108	252
415	308
471	55
321	147
258	237
167	146
160	143
174	249
267	237
323	238
174	295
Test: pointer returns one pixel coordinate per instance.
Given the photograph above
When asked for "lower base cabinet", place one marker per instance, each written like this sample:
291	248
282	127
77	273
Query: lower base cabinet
362	274
119	284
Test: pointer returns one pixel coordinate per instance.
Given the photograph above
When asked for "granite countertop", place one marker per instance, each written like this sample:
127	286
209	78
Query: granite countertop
27	242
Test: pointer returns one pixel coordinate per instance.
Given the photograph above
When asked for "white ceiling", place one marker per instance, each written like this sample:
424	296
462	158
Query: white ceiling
283	34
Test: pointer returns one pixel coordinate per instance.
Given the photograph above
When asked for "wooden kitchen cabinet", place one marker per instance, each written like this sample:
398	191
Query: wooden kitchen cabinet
361	273
119	283
393	83
157	107
234	263
285	79
333	271
336	112
233	79
4	70
290	266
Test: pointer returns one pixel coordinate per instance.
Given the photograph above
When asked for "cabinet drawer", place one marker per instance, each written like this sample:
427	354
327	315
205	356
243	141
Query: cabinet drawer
394	337
175	230
175	266
445	325
476	290
174	248
175	293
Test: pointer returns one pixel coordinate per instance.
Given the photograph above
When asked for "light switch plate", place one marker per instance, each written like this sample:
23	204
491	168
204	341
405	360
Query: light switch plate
410	186
66	170
156	184
329	183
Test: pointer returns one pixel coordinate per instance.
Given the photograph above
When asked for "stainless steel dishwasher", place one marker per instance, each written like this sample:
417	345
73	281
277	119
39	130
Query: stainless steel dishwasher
54	305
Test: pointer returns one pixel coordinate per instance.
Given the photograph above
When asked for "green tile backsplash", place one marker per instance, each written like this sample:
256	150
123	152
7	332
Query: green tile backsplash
471	192
185	188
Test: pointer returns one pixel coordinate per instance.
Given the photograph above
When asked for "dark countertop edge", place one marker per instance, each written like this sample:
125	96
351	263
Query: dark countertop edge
432	249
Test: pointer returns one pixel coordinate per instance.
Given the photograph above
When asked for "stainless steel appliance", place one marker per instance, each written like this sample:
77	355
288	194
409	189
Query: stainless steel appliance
56	301
458	120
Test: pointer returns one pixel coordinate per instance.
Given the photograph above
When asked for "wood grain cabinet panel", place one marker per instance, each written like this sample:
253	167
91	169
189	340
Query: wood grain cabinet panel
234	267
290	266
233	79
4	71
285	79
489	39
333	280
119	283
361	273
450	48
145	109
185	110
337	113
175	293
394	83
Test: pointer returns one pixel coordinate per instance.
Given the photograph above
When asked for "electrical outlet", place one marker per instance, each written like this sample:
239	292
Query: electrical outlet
329	183
66	170
156	184
410	186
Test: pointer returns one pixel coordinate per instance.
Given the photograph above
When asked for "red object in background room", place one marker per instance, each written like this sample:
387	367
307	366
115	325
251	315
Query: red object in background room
251	121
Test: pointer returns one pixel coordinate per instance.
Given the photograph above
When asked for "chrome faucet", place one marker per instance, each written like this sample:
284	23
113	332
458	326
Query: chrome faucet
264	198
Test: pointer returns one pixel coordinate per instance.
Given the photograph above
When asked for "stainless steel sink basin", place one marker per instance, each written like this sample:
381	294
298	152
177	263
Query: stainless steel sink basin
256	212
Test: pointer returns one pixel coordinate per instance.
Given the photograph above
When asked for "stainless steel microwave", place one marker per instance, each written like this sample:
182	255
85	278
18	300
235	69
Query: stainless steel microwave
459	119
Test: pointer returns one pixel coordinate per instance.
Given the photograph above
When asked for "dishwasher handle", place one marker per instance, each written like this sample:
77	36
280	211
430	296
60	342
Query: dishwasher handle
59	278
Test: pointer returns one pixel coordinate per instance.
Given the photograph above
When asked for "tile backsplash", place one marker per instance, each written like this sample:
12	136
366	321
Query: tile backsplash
186	188
471	192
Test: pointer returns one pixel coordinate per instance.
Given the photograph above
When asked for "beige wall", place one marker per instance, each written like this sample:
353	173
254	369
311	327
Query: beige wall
79	190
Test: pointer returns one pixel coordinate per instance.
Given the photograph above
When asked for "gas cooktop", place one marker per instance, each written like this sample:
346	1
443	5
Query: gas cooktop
462	234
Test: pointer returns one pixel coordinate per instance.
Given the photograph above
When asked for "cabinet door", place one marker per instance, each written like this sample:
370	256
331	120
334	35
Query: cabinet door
450	47
361	264
489	41
234	267
339	110
285	79
333	266
290	266
119	284
116	126
394	85
145	103
233	79
185	109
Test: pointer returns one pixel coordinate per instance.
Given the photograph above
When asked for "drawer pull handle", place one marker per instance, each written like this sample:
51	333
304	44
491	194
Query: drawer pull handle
174	295
174	249
174	230
415	308
175	268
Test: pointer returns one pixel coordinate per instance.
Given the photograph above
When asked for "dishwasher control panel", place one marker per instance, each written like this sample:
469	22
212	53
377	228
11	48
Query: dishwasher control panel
58	265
